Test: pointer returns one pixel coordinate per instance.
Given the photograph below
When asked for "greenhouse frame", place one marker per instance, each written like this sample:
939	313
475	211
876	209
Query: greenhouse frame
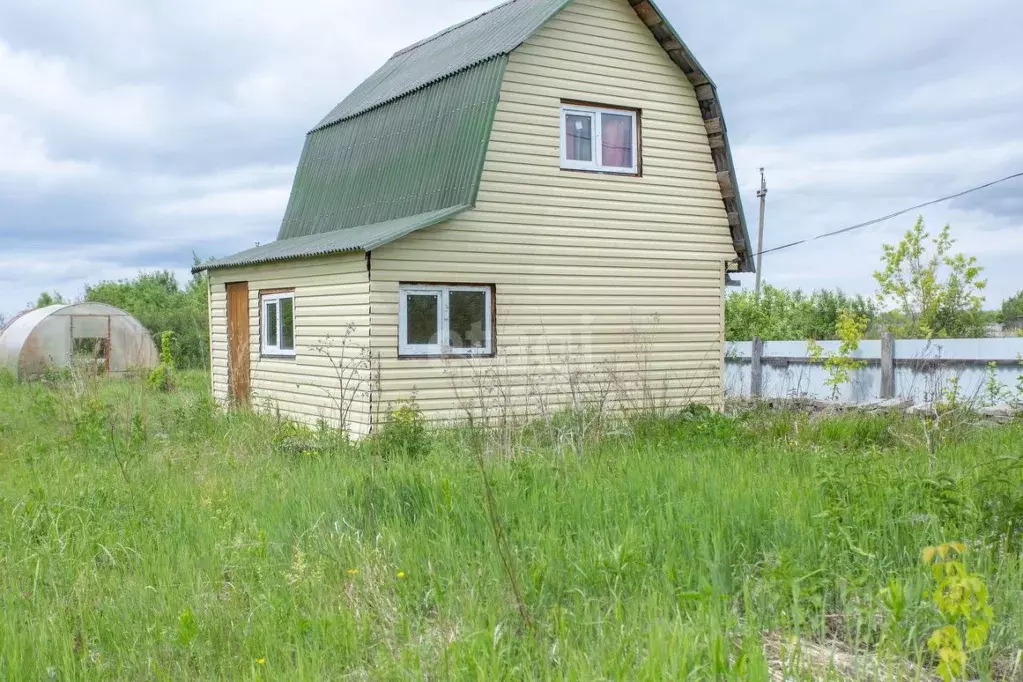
95	337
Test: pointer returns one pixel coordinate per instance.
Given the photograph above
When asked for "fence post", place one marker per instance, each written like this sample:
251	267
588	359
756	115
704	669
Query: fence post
756	369
887	366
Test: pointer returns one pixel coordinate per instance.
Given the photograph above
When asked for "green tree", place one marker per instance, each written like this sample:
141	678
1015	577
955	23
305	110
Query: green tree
48	298
1012	310
850	329
827	309
790	314
161	305
932	291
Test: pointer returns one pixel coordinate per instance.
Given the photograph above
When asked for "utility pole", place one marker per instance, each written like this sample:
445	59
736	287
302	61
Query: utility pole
760	232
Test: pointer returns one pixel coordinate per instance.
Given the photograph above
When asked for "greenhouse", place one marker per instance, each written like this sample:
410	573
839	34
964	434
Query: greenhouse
93	337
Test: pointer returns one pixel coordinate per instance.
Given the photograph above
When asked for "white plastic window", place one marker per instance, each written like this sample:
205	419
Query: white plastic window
599	139
278	324
436	320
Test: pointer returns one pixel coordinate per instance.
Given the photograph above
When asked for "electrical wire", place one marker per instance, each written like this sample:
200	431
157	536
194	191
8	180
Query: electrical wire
875	221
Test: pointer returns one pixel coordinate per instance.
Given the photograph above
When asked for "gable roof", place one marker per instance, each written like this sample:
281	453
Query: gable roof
409	142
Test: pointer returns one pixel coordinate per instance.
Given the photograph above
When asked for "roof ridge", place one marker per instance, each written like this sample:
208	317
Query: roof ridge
451	28
477	40
395	98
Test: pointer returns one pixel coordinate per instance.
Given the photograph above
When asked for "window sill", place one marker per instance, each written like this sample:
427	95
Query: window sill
277	356
604	171
447	356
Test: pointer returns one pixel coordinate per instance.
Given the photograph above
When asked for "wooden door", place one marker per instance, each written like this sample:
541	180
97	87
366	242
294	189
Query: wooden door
238	341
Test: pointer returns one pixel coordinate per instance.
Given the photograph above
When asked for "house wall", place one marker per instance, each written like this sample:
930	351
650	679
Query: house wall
330	293
604	269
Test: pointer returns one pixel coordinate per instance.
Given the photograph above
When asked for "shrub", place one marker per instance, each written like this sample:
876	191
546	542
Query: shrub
405	433
158	301
164	377
293	439
840	366
694	424
962	599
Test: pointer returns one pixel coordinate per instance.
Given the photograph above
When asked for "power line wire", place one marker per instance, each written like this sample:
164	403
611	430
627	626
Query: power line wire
875	221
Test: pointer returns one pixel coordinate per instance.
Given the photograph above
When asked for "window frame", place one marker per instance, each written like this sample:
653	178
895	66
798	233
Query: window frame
443	349
266	349
595	112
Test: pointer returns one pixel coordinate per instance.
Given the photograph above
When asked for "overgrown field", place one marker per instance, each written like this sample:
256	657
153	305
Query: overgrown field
148	535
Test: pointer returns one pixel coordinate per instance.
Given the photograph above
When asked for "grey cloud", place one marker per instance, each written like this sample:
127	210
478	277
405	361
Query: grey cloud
856	109
1004	202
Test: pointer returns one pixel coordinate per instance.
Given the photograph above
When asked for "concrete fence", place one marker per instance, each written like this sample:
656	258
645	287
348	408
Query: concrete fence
916	369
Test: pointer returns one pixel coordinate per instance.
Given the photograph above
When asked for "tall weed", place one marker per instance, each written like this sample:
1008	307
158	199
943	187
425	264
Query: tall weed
404	434
693	544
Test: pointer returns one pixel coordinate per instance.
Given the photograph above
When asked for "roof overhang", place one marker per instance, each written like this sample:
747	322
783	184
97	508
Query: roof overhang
359	238
713	120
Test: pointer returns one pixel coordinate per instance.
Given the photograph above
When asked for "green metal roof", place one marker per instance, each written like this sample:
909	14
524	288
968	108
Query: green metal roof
495	32
408	144
412	137
361	238
420	153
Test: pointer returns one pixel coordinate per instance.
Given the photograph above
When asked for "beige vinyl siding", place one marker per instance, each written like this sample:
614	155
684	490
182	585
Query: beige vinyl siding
330	293
610	270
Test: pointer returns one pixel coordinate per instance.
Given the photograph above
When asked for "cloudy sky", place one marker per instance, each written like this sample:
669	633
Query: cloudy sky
133	134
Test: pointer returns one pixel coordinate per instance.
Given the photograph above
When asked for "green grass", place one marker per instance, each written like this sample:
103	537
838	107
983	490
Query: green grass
152	536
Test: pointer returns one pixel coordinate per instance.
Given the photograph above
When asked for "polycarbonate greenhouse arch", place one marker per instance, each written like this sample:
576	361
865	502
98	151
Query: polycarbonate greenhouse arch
95	337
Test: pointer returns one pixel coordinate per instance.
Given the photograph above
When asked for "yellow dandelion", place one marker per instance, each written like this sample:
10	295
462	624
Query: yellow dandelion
401	574
352	571
261	661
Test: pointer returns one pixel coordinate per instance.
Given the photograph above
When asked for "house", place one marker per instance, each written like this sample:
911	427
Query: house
531	206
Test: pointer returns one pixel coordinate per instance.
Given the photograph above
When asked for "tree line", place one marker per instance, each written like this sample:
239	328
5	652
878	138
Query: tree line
924	290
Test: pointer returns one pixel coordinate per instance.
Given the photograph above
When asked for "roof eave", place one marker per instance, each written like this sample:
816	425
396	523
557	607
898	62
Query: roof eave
713	119
386	236
210	267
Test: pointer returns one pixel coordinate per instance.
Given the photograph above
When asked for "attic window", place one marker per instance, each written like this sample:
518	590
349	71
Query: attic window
445	320
599	139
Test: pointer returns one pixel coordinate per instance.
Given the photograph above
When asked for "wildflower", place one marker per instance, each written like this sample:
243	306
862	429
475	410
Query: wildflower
401	574
353	571
261	661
